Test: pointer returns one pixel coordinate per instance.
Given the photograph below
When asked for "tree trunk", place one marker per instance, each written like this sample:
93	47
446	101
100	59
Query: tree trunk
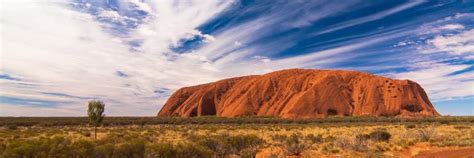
95	132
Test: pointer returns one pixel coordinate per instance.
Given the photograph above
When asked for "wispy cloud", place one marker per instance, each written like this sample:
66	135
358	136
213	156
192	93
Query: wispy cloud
461	43
75	57
132	54
373	17
441	85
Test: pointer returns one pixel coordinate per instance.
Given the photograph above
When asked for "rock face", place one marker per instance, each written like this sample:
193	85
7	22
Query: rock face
302	93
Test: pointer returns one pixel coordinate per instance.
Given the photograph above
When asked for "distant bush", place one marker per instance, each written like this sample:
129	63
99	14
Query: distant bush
380	136
121	121
461	127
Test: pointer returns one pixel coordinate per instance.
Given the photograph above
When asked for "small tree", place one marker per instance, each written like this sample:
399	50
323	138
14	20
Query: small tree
96	114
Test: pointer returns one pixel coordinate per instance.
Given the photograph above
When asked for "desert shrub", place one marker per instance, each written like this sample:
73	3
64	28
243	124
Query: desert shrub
461	127
215	143
83	148
381	147
329	139
181	150
160	150
224	144
86	134
405	142
279	137
330	148
445	122
362	137
104	150
314	139
294	145
12	127
130	149
409	126
380	135
344	143
245	145
188	150
43	147
360	145
19	148
426	133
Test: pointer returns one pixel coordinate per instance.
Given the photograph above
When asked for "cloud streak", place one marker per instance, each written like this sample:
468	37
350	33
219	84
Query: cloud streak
57	55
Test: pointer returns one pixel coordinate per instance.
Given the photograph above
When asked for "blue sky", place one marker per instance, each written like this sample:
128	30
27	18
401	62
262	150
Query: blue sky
132	54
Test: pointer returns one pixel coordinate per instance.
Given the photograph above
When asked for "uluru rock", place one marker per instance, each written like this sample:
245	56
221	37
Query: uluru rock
302	93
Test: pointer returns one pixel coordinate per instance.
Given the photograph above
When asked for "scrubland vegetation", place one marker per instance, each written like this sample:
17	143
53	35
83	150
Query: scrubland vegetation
237	137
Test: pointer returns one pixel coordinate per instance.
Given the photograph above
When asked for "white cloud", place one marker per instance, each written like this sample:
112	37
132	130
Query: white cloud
461	43
142	6
206	38
452	27
68	52
112	15
263	59
469	57
436	28
237	43
438	80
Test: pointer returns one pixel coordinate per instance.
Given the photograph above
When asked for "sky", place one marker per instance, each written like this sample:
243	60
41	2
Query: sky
133	54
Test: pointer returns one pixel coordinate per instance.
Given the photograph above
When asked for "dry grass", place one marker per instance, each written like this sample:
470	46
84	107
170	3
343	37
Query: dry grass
314	139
